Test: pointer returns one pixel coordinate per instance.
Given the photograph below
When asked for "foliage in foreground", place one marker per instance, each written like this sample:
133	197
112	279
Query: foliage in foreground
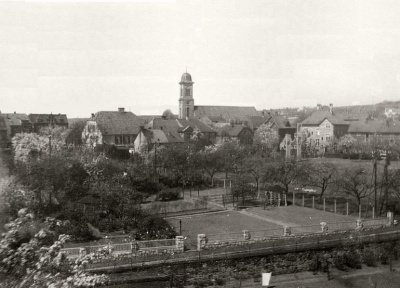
31	258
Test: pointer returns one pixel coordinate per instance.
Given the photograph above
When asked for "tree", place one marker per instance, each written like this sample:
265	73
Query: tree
267	138
321	175
346	142
356	183
168	114
211	160
31	258
285	173
255	166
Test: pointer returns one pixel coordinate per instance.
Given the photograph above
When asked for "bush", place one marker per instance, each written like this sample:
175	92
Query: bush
168	194
369	257
220	281
339	261
353	258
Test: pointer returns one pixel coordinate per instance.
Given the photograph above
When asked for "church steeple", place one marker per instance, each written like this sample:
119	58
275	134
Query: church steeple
186	101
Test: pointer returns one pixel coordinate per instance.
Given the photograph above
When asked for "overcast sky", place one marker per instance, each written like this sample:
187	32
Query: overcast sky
79	58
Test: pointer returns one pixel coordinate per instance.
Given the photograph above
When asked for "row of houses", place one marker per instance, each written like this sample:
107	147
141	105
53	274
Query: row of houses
13	123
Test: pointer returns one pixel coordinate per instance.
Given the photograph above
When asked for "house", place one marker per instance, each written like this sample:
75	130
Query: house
322	126
16	123
147	138
282	125
369	130
187	129
118	128
40	121
4	141
232	132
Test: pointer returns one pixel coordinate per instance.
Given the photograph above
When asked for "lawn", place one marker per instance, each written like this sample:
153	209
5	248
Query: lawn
299	215
226	222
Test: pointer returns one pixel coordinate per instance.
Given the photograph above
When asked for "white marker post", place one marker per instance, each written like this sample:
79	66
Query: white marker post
266	278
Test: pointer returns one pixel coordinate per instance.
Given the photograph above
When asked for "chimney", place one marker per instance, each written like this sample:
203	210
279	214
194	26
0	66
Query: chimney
319	106
331	108
15	112
164	117
92	115
121	109
141	127
231	122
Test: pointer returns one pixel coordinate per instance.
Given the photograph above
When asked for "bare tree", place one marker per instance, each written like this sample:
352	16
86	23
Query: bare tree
321	175
356	183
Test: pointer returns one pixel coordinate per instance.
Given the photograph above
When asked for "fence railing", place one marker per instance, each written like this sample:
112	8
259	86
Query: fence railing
163	245
249	249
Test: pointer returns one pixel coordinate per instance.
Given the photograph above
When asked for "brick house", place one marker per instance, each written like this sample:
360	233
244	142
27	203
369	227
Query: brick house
321	127
40	121
118	128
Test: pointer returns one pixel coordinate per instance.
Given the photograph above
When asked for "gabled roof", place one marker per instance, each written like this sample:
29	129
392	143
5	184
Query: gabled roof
48	118
256	121
118	122
161	136
15	119
226	112
231	130
319	116
147	118
375	126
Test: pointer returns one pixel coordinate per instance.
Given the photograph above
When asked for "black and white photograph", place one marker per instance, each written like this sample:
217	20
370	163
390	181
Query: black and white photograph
199	143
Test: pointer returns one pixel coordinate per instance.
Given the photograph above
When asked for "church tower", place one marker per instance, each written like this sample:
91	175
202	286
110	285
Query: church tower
186	101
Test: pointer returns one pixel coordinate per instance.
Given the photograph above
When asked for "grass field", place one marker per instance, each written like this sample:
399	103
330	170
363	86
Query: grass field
300	216
218	223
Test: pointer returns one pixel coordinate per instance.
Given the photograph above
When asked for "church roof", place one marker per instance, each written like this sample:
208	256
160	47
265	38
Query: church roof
118	122
186	78
179	125
226	112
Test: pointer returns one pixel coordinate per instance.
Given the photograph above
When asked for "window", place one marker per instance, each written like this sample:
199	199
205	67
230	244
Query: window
188	91
358	134
187	111
322	138
116	140
317	142
328	126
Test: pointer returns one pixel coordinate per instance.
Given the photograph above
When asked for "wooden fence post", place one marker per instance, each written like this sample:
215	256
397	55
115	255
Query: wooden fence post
324	203
303	201
373	212
359	211
335	205
347	208
294	199
313	201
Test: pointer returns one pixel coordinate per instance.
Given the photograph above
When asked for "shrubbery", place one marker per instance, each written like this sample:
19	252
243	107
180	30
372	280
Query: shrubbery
169	194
